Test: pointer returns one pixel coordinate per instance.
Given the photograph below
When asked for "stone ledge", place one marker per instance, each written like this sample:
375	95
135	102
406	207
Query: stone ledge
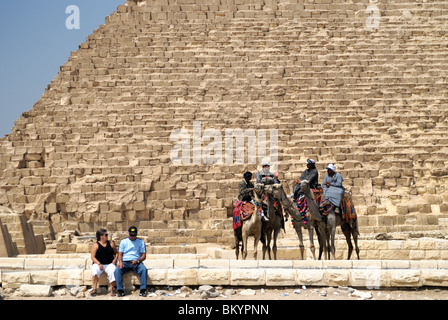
355	273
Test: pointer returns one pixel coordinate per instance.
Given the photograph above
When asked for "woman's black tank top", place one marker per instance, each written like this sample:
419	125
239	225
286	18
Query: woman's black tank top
105	255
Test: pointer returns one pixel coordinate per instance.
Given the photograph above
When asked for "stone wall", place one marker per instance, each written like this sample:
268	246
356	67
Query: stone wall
94	151
371	274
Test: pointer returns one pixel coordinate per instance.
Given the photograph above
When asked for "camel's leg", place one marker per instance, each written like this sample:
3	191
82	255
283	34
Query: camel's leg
255	247
244	246
274	247
298	229
312	246
322	241
264	247
346	230
268	243
355	233
237	247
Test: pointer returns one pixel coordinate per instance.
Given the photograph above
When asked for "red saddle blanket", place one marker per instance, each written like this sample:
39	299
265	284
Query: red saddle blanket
302	204
243	211
348	207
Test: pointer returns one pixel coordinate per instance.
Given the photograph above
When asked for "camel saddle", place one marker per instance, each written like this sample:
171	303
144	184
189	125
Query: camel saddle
243	211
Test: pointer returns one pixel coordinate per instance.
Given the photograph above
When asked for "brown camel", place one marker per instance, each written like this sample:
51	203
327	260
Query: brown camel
298	223
348	228
250	227
315	215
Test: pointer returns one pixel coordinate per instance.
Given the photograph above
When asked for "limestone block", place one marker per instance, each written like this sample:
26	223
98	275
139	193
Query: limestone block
39	264
15	279
434	277
35	290
369	278
275	264
405	278
71	277
46	277
157	277
12	263
159	263
69	264
236	264
181	277
307	264
66	247
8	248
314	277
214	277
186	263
280	277
214	263
335	277
247	277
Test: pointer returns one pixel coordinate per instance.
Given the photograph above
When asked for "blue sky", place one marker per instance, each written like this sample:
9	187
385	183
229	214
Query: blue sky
34	43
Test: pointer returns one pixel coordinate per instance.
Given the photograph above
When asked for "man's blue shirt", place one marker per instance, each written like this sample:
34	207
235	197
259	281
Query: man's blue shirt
132	250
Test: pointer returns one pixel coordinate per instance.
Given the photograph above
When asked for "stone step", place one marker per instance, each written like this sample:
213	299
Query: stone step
193	272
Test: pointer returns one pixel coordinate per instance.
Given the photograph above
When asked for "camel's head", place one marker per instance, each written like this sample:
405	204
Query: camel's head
258	189
276	189
305	185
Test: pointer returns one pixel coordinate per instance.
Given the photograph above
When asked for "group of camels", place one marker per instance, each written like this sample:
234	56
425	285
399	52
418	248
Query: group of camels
269	230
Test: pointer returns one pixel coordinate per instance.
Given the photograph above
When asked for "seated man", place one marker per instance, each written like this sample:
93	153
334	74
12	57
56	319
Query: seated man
246	187
265	173
332	187
310	174
246	192
131	254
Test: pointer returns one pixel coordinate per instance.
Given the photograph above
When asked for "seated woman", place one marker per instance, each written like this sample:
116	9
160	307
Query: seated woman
104	256
332	187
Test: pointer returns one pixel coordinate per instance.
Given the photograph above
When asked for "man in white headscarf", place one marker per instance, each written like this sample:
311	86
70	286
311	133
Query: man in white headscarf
270	178
332	187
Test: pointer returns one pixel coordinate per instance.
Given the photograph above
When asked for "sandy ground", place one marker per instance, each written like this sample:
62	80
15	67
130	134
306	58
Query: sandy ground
289	293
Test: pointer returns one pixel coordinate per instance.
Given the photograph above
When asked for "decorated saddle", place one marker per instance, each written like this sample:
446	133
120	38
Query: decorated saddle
348	207
302	204
243	211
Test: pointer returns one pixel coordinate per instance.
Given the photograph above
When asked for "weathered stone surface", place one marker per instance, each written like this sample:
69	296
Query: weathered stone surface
34	290
106	158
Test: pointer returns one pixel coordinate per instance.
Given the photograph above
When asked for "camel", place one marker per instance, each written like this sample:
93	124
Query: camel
312	223
250	227
348	228
272	227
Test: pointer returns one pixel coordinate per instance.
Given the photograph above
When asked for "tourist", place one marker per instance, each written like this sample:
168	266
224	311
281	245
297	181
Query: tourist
311	175
332	187
267	175
246	192
131	254
104	256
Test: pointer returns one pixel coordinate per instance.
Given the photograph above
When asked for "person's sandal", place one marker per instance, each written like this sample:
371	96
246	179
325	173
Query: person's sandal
93	292
112	293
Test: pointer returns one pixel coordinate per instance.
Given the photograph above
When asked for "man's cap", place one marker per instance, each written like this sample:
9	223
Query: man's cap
132	230
265	163
332	167
310	161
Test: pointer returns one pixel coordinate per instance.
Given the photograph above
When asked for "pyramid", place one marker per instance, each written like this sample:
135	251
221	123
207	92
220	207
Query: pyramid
361	84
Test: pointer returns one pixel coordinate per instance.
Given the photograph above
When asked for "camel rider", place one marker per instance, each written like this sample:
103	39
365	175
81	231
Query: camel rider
332	187
246	192
246	188
311	175
265	173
